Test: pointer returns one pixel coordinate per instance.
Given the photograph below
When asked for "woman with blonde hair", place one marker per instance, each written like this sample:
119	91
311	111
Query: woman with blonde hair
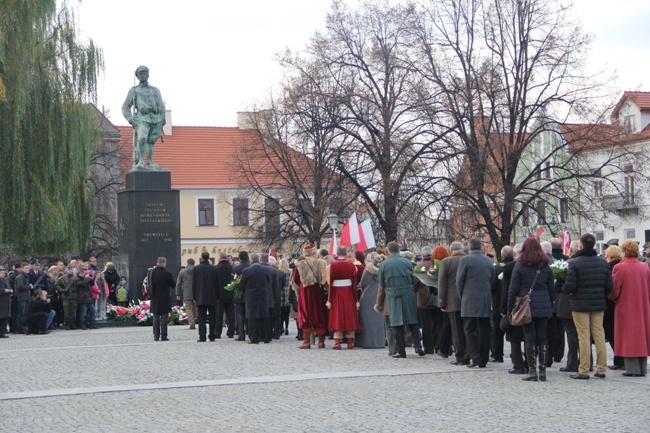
285	305
613	255
631	293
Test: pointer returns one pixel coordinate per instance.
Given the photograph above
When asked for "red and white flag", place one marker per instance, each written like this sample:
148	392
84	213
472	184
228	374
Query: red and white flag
333	245
350	232
367	240
566	241
540	230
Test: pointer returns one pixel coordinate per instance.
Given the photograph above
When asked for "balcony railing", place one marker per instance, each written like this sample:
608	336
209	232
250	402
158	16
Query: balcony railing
618	202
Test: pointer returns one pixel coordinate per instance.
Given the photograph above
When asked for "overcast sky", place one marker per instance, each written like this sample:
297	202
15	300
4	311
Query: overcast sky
212	58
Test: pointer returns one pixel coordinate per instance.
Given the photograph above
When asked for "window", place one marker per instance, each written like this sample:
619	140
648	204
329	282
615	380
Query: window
598	184
240	211
525	217
600	236
629	234
629	125
305	211
628	196
272	218
541	212
336	206
206	212
546	170
564	210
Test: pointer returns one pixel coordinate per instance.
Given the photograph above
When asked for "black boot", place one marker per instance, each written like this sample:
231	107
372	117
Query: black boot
531	354
543	356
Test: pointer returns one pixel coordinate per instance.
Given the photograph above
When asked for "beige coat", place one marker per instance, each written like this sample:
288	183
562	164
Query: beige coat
448	298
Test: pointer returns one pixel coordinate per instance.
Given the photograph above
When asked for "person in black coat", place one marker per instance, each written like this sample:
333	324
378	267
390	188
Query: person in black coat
514	334
240	306
496	346
256	284
39	314
226	297
589	282
533	275
5	302
277	280
161	302
205	287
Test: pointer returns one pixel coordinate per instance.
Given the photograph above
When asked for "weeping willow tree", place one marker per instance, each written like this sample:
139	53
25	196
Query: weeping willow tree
48	128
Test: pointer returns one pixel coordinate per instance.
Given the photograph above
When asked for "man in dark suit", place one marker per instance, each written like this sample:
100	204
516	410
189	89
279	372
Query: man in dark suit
161	302
240	306
474	285
256	284
205	287
226	297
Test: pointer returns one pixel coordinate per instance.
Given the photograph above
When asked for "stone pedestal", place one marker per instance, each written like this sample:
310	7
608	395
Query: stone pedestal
149	225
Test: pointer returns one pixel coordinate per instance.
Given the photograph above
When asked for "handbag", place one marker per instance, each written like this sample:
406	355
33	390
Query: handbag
520	314
433	298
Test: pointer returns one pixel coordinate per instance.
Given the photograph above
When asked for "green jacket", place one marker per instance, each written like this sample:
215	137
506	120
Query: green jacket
396	277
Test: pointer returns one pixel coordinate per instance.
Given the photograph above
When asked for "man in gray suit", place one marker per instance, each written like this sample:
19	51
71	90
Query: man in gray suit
473	282
449	301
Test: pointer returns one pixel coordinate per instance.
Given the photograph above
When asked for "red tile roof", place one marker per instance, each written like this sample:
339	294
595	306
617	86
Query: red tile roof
596	136
640	99
206	157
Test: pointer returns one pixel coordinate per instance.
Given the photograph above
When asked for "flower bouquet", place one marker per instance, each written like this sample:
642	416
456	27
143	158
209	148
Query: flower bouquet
560	269
178	316
428	276
234	287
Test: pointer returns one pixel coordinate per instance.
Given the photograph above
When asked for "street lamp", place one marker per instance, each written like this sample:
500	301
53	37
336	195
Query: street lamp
333	220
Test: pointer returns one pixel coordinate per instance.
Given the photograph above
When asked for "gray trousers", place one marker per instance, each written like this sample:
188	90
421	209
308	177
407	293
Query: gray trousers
160	326
390	336
636	365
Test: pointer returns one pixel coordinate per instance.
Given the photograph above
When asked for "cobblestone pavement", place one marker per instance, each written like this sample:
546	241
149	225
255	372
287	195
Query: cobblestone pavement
120	380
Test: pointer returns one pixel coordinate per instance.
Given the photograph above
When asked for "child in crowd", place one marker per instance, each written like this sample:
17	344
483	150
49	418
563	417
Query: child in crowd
123	293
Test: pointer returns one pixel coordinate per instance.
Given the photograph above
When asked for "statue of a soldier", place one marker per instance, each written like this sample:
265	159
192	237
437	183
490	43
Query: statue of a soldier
147	119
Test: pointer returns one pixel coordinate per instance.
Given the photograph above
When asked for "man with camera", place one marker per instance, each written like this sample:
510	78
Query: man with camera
40	314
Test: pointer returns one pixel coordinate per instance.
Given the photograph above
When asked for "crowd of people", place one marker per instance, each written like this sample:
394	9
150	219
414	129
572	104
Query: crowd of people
35	299
378	300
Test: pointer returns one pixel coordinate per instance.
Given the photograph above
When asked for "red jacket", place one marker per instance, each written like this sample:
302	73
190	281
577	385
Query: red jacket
631	293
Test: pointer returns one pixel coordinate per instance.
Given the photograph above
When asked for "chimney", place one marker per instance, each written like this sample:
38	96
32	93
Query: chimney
167	129
254	119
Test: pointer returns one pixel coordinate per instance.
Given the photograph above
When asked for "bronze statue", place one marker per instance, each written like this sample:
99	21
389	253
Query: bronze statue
147	119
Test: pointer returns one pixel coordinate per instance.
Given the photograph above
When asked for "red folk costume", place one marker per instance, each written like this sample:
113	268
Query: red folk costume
343	296
308	281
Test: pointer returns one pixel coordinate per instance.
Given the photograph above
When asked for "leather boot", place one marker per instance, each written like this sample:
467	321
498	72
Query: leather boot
337	344
350	343
306	343
531	355
543	356
321	341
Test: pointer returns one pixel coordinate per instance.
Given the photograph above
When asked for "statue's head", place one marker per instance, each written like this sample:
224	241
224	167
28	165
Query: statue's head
140	70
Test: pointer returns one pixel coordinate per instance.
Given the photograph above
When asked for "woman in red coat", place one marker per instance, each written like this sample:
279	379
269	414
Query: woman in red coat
343	299
631	293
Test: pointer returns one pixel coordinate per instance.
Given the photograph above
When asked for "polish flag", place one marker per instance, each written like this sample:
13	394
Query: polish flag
333	245
367	236
350	232
540	230
566	241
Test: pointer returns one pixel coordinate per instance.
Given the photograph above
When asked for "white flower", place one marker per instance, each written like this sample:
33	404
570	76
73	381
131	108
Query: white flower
424	268
500	276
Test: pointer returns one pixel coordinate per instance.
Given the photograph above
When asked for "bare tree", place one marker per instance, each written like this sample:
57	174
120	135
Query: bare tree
509	72
380	104
290	167
105	178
